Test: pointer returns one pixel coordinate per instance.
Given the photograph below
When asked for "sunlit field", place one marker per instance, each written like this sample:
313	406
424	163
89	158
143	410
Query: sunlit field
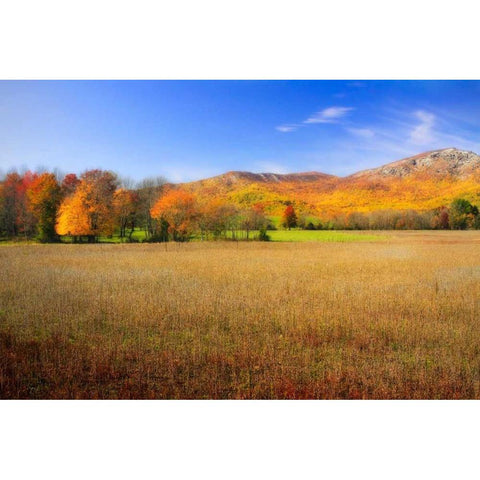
295	235
321	236
390	315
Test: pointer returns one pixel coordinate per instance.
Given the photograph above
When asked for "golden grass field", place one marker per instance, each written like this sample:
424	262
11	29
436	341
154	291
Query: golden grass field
396	318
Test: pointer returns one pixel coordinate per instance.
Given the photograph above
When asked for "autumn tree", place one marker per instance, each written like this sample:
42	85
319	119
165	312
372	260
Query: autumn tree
356	221
229	215
125	204
2	209
253	219
462	214
441	219
44	195
69	184
89	211
148	192
179	209
217	217
8	214
289	217
384	219
16	217
73	216
25	217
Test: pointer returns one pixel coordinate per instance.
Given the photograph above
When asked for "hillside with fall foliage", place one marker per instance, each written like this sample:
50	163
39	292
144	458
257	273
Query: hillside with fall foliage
423	182
438	189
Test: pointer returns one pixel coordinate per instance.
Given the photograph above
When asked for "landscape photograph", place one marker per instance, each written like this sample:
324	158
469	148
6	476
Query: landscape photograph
240	240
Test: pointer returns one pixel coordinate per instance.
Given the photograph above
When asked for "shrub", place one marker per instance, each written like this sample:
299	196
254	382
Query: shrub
156	238
263	236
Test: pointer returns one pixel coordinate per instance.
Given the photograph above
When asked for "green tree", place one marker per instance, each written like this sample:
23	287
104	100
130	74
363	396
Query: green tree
44	195
462	214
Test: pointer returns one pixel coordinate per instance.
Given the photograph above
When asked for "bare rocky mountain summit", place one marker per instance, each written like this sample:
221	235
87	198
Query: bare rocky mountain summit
437	163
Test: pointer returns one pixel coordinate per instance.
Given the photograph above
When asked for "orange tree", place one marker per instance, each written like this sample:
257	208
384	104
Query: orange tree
89	210
179	209
73	218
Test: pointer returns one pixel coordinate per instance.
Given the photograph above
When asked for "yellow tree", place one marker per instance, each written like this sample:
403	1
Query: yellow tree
89	210
73	218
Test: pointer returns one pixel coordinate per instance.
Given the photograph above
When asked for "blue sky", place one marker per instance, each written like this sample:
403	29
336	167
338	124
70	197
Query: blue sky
186	130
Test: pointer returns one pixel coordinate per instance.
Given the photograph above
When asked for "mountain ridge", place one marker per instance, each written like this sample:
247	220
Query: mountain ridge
427	180
314	174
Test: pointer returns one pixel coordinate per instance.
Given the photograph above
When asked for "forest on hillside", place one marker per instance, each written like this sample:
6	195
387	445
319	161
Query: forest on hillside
49	207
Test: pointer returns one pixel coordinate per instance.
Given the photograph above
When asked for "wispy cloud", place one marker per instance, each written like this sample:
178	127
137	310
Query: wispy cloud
402	133
362	132
382	133
329	115
287	128
423	133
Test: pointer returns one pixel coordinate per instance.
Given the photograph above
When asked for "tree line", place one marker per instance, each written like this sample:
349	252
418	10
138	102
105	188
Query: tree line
98	203
460	214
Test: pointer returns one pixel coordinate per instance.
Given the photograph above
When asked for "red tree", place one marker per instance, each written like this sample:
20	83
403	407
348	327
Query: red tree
289	217
69	184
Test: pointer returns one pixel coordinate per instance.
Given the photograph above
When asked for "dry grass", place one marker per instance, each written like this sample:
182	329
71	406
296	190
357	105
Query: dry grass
394	319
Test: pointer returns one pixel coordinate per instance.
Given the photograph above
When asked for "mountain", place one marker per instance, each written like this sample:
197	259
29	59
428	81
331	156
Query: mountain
234	177
422	182
439	163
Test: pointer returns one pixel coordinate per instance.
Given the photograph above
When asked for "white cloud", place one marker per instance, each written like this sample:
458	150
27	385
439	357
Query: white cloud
286	128
423	134
329	115
362	132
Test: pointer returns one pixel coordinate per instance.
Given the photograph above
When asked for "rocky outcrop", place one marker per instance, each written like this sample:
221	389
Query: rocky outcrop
449	161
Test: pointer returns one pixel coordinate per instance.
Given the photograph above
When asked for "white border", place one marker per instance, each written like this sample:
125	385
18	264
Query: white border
239	440
245	39
239	39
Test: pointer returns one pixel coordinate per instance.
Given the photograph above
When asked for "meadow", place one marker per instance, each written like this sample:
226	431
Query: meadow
321	236
281	235
393	315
